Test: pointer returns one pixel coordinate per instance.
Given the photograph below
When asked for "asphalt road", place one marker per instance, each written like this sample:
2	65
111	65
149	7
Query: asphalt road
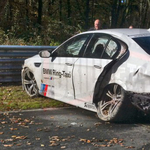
70	129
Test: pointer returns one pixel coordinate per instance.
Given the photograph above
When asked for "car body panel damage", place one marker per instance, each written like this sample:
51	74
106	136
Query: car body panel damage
141	101
139	86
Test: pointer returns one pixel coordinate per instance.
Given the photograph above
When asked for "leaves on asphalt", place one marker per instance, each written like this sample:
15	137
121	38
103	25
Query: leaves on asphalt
103	143
15	124
56	140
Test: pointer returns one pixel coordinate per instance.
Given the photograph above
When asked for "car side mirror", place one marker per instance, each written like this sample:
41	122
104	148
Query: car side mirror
47	54
44	54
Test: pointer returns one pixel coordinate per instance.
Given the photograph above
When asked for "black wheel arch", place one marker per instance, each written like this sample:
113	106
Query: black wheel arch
104	78
102	82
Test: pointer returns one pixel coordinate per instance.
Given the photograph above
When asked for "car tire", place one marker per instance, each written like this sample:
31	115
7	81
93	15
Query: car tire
114	106
29	83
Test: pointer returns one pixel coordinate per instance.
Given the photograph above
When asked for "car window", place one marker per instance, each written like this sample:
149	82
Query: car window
102	46
144	43
72	47
111	48
96	46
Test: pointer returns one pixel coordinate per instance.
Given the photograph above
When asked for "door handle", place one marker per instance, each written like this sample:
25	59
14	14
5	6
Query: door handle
69	64
98	67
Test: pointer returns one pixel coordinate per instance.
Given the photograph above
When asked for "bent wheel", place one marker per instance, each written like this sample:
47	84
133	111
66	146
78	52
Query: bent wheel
110	104
29	83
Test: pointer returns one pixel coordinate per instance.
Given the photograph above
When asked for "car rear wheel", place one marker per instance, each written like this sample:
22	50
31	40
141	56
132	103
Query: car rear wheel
29	83
111	106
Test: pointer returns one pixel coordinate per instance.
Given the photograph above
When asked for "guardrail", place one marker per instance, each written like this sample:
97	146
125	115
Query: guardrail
12	58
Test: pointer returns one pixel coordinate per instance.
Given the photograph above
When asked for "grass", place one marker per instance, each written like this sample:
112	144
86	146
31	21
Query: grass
12	97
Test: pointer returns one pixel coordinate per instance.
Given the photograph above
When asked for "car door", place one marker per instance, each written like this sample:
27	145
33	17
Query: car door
100	52
57	69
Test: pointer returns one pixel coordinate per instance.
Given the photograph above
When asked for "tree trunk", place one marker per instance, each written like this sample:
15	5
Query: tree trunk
69	12
60	10
79	10
87	14
39	19
2	6
115	13
27	13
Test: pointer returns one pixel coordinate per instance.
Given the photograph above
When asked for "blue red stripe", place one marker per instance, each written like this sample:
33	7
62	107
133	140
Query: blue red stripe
45	90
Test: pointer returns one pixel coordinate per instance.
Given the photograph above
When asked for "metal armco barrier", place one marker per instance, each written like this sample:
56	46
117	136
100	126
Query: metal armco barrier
12	58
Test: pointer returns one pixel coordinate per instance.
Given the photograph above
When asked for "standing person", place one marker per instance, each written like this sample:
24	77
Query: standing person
97	25
130	27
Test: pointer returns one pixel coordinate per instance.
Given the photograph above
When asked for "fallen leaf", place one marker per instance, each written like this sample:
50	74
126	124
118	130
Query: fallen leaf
115	140
46	129
28	143
73	123
97	124
130	147
37	139
121	144
1	133
13	136
8	145
88	141
38	123
12	129
21	137
54	144
27	120
103	145
32	122
22	123
19	119
19	144
39	130
73	136
63	147
25	126
82	140
4	122
8	140
63	140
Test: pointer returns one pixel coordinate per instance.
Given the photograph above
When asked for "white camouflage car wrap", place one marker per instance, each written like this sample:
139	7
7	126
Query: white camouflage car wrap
105	71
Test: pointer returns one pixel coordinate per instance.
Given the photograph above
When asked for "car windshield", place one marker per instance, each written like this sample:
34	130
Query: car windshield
144	42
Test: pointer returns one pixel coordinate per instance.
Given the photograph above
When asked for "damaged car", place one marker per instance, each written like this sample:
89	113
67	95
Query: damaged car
105	71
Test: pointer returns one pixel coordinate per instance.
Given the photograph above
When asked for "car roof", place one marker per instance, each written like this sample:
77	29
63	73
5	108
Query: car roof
135	32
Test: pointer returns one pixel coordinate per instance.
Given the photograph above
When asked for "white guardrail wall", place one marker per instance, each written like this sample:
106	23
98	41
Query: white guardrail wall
12	58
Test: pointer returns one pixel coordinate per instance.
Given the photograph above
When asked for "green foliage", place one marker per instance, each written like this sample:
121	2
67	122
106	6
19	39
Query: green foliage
52	22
